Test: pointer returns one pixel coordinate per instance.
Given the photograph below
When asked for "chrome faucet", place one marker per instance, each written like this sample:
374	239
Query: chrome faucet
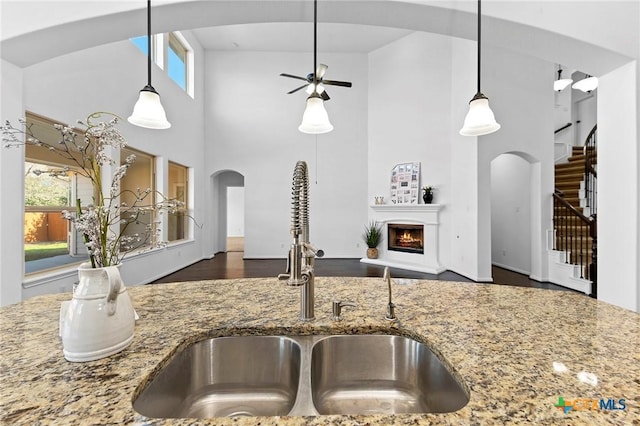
391	308
300	260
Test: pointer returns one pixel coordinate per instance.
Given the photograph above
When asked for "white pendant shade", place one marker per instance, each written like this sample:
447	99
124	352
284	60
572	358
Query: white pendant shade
560	85
480	119
315	119
587	84
148	111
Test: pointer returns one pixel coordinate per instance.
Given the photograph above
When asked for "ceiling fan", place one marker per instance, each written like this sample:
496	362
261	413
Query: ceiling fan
315	81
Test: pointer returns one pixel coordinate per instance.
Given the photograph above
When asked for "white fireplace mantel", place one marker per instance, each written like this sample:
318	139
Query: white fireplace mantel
426	214
396	208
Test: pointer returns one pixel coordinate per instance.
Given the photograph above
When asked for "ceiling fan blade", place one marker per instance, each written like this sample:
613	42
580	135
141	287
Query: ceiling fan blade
293	76
325	96
322	68
298	88
337	83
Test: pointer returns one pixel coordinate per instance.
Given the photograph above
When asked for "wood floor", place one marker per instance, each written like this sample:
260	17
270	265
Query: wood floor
232	265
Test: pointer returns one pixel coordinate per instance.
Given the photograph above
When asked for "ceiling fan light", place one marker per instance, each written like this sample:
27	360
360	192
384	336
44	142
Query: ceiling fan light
480	119
319	88
315	119
148	111
560	85
586	84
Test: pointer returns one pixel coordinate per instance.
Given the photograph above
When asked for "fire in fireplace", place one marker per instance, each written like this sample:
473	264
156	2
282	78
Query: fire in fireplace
406	238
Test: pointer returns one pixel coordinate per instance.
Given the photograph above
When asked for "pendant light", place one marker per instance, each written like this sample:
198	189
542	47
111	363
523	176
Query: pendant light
587	84
561	83
315	119
148	111
480	119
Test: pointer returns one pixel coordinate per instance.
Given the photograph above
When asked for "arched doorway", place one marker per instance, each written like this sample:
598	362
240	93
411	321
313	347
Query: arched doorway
235	218
227	200
514	181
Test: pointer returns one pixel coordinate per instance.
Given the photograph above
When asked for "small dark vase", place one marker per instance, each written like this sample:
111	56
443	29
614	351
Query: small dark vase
427	197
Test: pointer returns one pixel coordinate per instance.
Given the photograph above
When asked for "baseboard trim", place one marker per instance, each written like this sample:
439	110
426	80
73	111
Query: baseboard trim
539	279
511	268
472	277
169	272
409	267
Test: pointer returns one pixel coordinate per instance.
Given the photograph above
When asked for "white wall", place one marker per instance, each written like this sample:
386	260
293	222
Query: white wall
252	128
11	196
235	212
409	110
67	88
511	213
464	166
518	87
585	109
563	108
618	187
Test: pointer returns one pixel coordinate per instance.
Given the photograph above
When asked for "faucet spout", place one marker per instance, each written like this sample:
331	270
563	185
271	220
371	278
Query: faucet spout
391	308
300	260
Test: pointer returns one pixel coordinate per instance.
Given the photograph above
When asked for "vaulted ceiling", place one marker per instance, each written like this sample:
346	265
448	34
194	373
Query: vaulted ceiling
594	36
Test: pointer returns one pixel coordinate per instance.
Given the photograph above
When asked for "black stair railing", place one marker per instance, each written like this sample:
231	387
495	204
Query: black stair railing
590	174
576	235
566	126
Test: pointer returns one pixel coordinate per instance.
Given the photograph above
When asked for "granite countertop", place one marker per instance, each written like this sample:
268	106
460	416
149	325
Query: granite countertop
501	340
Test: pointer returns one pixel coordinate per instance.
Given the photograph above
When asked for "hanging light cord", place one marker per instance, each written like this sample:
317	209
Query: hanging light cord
149	42
315	44
479	39
316	159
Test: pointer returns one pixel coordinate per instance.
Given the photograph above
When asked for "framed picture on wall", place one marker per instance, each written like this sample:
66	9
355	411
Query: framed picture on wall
405	183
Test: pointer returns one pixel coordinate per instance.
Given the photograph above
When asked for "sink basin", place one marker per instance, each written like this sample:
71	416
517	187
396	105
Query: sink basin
226	376
301	376
376	374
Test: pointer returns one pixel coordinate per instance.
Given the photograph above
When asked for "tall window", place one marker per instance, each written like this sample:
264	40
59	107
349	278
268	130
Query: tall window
138	189
177	61
141	43
178	54
178	189
50	186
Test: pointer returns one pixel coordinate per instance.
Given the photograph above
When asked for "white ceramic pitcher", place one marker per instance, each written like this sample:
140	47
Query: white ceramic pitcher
100	319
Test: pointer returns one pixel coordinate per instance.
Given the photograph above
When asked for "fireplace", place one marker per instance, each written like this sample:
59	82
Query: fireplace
421	222
406	238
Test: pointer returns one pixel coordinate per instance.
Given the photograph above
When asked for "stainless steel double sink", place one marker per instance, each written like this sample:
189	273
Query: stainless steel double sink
302	376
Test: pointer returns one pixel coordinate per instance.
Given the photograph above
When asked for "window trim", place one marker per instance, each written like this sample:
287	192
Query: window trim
189	74
152	160
188	231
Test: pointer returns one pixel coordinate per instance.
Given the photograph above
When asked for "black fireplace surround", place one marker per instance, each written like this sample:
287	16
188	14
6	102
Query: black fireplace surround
407	238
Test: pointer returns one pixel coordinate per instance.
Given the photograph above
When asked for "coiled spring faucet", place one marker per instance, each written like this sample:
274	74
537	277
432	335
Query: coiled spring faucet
300	260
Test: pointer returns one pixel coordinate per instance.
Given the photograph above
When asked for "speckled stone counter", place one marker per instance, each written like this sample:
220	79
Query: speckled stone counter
501	341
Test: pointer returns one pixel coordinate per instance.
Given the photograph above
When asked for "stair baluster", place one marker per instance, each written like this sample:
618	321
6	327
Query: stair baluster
574	227
590	174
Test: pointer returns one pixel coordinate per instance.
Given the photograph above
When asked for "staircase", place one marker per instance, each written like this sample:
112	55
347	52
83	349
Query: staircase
573	255
570	177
